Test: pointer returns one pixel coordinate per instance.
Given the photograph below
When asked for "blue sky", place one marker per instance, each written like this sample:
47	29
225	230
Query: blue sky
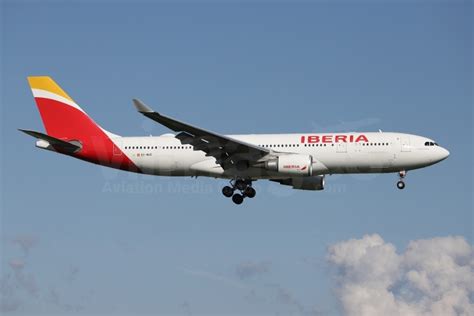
100	241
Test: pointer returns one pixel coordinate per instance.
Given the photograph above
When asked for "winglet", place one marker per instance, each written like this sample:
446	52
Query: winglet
141	107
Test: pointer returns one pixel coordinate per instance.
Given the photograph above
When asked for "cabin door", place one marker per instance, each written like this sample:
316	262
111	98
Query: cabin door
405	142
341	147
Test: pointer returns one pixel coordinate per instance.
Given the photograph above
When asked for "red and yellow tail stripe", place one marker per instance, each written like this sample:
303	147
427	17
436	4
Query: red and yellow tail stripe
65	120
45	87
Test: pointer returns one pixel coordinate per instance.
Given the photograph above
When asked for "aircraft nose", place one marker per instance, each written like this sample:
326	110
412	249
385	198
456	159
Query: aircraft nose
441	154
445	153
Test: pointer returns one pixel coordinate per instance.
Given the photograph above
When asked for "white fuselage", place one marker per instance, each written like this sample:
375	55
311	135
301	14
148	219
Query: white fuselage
332	153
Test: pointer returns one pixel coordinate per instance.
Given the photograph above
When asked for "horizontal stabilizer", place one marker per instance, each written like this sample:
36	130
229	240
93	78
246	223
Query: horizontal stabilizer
56	143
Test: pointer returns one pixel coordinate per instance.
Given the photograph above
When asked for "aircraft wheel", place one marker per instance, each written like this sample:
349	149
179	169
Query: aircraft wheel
401	185
227	191
237	199
250	192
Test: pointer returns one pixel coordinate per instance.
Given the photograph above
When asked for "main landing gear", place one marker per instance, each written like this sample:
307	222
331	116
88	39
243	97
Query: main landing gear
245	188
401	184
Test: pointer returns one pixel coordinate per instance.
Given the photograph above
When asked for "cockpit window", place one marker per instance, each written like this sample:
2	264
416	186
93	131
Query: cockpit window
431	144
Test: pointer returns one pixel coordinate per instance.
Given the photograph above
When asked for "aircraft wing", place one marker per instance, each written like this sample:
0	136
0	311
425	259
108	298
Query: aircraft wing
227	151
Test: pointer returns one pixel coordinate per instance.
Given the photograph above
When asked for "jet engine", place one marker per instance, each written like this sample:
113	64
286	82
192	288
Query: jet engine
315	183
292	164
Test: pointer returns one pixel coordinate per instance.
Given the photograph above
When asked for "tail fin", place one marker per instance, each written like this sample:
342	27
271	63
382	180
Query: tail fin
65	120
62	117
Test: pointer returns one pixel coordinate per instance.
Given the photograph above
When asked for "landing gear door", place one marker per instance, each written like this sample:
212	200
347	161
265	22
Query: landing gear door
405	142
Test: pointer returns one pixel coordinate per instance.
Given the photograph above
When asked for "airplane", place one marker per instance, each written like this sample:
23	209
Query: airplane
299	160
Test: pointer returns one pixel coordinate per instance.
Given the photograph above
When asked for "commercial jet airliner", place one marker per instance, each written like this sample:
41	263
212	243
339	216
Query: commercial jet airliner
300	160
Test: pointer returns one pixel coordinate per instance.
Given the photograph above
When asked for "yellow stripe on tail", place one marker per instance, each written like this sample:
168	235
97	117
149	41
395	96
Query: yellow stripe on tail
48	84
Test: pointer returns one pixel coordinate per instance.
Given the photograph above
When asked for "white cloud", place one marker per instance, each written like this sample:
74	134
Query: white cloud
432	277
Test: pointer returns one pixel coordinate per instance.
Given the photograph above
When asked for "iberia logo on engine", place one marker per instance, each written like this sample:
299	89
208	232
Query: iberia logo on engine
294	167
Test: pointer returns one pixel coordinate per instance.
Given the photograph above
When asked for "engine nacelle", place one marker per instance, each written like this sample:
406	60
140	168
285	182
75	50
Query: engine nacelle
309	183
292	164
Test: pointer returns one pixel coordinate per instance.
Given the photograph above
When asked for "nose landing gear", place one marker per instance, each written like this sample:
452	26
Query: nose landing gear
401	184
242	185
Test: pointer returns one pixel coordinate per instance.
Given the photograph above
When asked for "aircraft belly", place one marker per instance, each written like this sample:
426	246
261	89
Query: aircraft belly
359	162
207	167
